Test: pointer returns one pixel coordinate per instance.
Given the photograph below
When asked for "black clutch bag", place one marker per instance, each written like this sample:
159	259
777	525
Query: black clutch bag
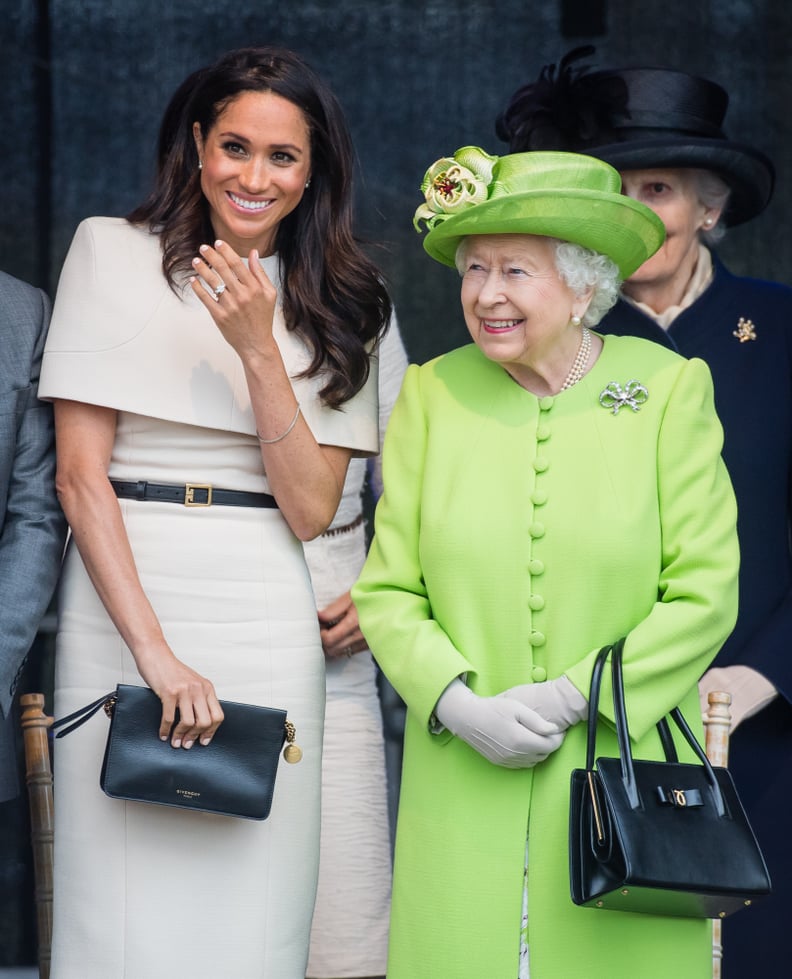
234	775
660	837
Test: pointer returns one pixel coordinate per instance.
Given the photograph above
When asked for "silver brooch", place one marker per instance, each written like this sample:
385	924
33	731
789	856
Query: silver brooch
745	330
616	397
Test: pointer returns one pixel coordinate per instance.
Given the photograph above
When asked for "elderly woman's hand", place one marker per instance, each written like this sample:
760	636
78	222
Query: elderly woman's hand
558	701
504	731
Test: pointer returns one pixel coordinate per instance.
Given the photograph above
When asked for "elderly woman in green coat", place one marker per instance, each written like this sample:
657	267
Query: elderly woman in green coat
547	490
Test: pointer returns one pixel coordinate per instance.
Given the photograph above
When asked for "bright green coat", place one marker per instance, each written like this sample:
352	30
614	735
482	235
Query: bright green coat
515	536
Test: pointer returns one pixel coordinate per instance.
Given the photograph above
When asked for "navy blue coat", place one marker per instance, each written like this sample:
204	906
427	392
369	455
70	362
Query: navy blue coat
753	396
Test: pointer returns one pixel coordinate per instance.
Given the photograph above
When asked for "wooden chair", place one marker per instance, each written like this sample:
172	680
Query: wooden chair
38	771
717	722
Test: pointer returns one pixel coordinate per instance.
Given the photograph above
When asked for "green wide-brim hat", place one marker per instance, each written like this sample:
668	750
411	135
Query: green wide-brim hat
567	196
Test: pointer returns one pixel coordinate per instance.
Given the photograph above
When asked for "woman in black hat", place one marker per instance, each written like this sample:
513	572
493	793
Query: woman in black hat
662	129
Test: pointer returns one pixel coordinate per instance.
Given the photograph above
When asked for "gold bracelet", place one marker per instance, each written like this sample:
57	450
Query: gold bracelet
283	436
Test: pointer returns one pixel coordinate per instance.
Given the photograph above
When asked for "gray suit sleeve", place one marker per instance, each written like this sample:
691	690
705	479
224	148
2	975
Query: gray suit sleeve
32	526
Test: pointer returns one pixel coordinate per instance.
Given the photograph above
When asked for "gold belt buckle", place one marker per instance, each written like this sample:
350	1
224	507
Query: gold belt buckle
189	494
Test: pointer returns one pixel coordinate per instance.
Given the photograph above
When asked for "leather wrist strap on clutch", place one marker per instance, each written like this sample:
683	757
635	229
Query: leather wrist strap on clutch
190	494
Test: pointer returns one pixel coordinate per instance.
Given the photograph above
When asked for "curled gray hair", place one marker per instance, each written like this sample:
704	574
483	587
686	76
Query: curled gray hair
582	269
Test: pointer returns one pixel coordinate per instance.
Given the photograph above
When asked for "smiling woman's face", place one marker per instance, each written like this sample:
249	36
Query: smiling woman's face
255	160
516	306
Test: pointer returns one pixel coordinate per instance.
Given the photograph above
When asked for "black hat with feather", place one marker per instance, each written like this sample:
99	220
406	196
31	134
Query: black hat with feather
637	119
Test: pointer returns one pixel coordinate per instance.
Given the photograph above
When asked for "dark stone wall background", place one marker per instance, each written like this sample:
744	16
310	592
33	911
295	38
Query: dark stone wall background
84	83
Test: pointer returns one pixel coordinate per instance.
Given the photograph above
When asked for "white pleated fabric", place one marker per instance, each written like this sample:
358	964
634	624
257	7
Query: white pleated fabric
349	937
146	892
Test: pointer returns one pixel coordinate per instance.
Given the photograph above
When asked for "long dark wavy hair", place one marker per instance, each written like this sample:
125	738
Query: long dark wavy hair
332	295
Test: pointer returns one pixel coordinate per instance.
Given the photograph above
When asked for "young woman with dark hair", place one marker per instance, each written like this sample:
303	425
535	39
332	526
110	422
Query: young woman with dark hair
212	360
328	283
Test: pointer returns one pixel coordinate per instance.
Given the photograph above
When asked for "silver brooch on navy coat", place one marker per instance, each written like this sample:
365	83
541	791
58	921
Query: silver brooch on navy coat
615	397
745	330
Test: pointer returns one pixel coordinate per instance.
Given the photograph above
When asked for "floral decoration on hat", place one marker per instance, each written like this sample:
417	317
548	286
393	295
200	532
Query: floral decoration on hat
454	183
569	196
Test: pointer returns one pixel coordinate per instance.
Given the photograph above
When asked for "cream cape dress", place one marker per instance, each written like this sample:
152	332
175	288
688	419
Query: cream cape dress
145	892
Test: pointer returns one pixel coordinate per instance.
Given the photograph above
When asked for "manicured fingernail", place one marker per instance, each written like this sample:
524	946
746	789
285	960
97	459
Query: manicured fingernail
188	744
177	743
219	242
204	248
205	741
196	261
163	737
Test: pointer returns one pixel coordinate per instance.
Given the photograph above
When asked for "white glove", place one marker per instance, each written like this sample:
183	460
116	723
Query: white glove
558	701
750	691
504	731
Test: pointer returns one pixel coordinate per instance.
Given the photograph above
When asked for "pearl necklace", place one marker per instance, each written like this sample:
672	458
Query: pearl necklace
578	368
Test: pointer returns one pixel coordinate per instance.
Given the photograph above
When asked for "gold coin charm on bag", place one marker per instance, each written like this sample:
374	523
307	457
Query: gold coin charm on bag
292	753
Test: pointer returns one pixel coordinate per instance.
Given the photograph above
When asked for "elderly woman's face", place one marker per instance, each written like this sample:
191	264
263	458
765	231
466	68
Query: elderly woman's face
673	195
516	306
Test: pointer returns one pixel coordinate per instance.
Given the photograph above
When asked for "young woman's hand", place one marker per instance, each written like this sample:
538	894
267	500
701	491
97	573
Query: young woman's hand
181	690
240	299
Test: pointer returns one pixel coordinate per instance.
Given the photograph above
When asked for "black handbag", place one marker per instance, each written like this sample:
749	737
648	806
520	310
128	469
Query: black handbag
659	837
234	775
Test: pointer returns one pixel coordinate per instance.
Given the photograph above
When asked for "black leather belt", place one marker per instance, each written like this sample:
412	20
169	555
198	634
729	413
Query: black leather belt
191	494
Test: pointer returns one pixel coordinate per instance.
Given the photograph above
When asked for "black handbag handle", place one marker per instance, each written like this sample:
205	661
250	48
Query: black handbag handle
594	692
623	733
79	717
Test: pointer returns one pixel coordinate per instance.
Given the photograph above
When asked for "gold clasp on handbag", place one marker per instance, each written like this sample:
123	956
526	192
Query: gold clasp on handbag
109	704
189	494
680	798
